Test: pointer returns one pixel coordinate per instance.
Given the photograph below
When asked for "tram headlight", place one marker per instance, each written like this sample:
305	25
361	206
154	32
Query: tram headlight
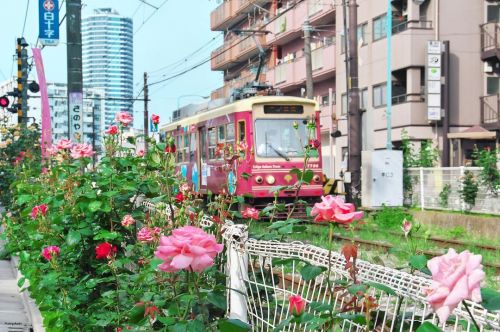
316	178
259	179
270	179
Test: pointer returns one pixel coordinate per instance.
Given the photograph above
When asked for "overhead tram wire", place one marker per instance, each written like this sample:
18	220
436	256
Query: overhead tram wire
149	17
223	51
25	17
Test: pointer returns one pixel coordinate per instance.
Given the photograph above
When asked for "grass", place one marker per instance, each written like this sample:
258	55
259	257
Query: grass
373	230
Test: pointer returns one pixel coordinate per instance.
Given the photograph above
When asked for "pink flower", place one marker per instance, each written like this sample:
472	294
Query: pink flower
456	277
297	305
334	209
124	118
82	150
187	248
64	144
127	220
39	209
406	227
145	235
184	187
45	170
105	250
112	130
155	119
140	153
251	213
53	150
50	252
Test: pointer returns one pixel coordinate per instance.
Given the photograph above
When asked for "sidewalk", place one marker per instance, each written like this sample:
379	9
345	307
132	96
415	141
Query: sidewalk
16	309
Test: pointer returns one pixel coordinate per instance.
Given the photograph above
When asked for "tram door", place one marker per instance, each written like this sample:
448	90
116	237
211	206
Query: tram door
201	158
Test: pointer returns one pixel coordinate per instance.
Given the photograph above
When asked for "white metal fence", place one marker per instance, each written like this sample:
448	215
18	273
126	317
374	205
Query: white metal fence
260	282
428	183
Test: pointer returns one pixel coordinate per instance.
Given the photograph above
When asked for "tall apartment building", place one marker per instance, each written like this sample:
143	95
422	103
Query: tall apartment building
107	50
93	120
471	27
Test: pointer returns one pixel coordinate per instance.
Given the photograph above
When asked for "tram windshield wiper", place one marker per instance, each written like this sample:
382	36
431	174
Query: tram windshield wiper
279	153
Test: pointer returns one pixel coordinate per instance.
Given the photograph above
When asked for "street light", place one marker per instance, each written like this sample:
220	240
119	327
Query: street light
180	97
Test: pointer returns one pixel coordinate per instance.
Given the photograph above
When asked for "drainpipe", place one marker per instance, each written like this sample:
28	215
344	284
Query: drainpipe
436	30
388	95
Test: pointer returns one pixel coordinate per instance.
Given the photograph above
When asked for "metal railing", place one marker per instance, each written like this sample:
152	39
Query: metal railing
489	36
260	282
490	106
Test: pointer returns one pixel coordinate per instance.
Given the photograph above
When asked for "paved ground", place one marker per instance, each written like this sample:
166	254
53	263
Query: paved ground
14	314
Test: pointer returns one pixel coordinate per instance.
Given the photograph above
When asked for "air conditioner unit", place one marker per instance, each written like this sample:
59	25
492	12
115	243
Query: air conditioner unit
488	68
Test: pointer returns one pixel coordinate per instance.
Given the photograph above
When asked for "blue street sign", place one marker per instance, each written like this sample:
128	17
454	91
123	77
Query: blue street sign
153	127
48	22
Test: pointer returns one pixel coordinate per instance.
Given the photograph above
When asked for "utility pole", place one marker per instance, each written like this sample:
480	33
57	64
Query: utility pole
354	115
146	113
22	81
306	27
74	62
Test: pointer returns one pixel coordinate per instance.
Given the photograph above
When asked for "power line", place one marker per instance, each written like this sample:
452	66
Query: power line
149	17
25	17
224	50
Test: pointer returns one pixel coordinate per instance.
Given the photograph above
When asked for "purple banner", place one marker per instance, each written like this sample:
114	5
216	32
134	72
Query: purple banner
46	138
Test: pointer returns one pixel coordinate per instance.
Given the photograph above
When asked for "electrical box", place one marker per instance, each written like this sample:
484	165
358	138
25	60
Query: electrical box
382	178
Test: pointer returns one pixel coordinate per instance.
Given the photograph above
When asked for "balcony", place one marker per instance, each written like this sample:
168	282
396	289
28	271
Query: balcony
490	118
288	26
490	43
291	75
228	13
326	118
235	50
225	91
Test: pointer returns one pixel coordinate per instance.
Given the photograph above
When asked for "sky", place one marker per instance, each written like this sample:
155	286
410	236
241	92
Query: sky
164	42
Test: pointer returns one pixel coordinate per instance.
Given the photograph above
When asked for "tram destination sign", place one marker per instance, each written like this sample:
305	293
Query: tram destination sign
283	109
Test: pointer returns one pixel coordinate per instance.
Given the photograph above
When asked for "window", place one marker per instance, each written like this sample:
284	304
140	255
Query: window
221	134
212	143
203	140
241	131
362	36
324	100
343	110
276	138
379	95
492	85
230	131
363	99
192	147
379	27
493	13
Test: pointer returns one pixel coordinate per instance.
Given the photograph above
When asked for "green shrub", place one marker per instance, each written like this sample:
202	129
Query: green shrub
391	218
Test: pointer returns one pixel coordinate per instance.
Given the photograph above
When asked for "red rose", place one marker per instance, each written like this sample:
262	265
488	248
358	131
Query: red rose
155	118
104	250
179	198
170	148
315	143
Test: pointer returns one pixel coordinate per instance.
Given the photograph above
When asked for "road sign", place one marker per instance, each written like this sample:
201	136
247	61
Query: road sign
48	22
433	80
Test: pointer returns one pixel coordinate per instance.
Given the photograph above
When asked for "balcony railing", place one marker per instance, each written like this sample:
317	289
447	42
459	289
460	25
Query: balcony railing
221	15
490	43
411	24
490	106
232	11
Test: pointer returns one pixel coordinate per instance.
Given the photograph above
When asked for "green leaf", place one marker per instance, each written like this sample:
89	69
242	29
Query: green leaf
355	289
356	318
283	324
320	306
419	262
428	327
20	282
245	175
310	272
95	206
217	299
297	172
308	175
155	262
106	235
23	199
73	238
167	321
381	287
491	299
233	325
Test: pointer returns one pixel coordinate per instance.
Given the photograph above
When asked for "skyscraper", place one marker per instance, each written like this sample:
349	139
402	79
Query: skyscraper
107	49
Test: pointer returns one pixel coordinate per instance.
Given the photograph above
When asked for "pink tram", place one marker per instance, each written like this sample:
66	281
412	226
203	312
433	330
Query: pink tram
267	133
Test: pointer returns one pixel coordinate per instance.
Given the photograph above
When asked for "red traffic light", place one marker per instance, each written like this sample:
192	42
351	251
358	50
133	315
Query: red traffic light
4	101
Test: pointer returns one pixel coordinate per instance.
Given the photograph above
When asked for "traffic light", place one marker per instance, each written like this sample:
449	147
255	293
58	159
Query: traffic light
4	102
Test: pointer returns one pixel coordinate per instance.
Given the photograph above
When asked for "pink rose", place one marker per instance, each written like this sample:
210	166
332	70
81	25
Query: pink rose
187	248
251	213
52	151
297	305
112	130
82	150
64	144
406	227
140	153
145	235
334	209
184	187
155	119
127	220
456	277
124	118
50	252
39	209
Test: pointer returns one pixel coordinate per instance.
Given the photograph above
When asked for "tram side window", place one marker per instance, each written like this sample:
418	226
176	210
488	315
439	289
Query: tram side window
230	134
222	134
185	148
192	147
203	145
178	143
212	143
241	131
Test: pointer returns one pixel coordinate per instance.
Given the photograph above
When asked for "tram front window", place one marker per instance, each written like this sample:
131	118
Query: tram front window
277	138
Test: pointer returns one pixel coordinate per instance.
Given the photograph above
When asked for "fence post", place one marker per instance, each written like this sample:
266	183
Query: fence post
461	186
237	270
422	203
